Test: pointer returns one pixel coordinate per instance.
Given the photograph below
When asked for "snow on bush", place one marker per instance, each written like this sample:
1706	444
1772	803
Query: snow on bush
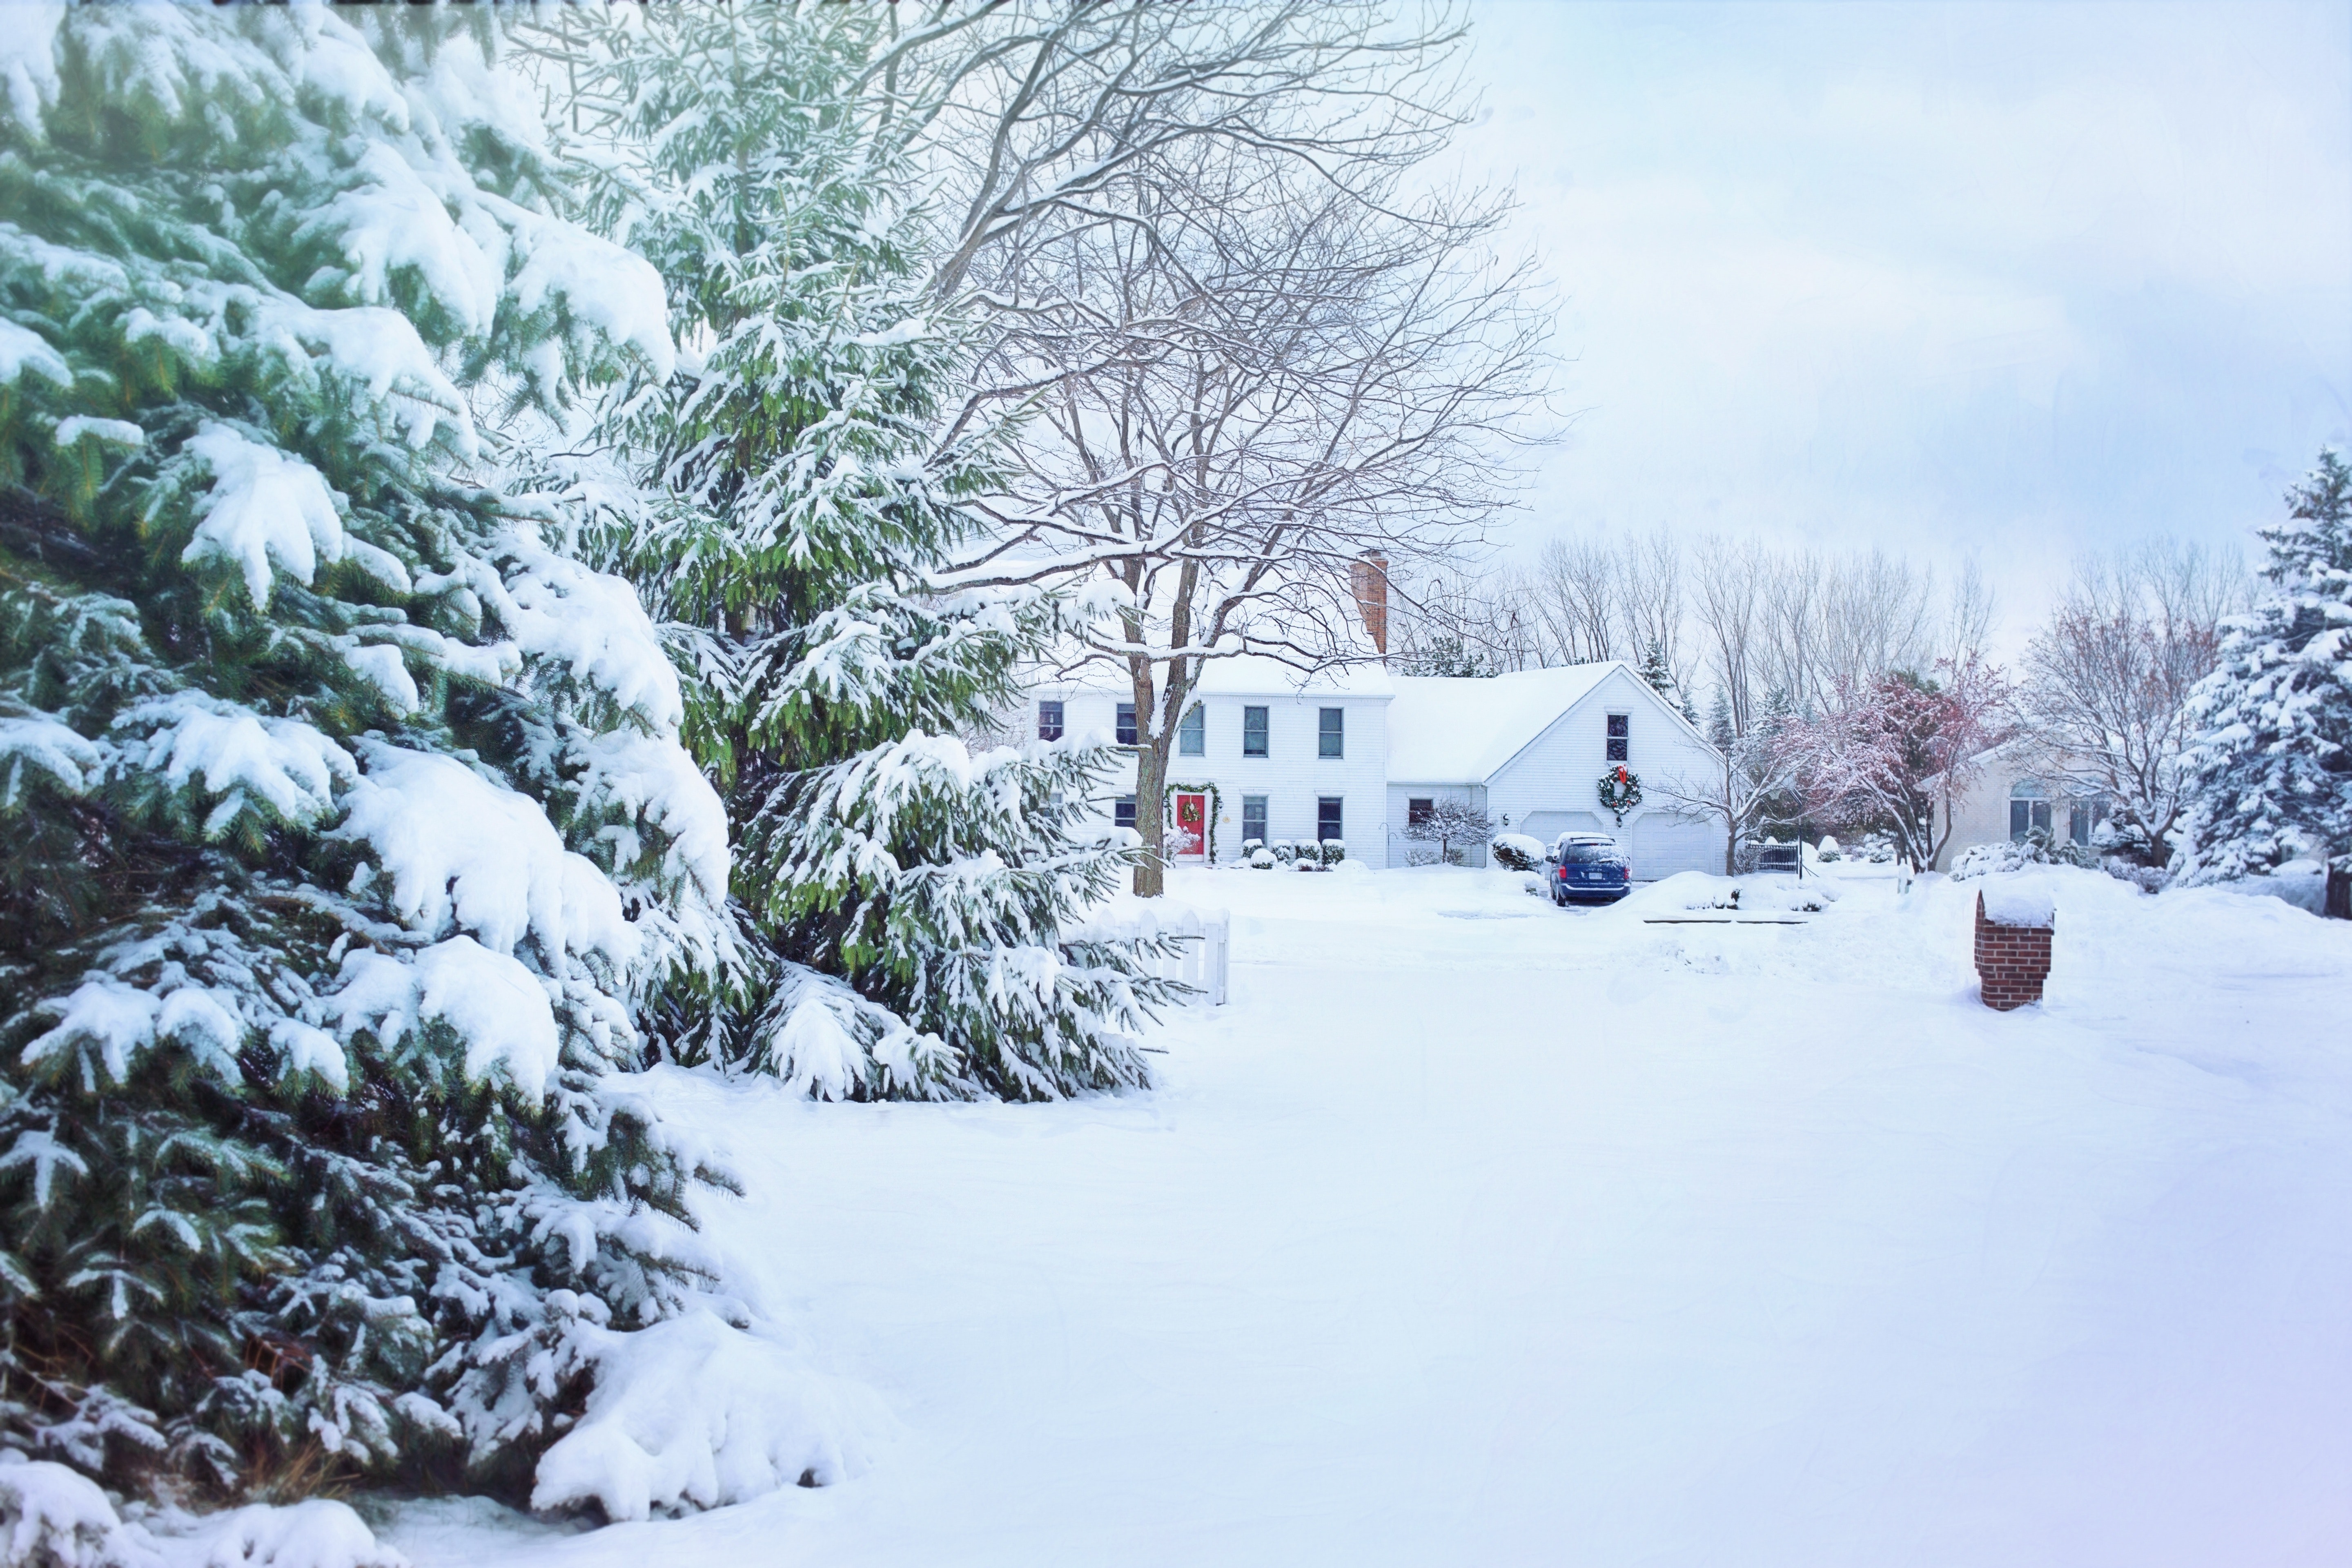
694	1413
318	1533
51	1517
1695	890
1517	851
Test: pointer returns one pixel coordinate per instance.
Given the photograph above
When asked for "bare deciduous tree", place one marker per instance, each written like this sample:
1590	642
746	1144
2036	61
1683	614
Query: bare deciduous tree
1265	380
2107	681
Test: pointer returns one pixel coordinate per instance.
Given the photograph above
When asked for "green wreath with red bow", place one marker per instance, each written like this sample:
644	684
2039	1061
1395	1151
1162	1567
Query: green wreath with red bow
1621	792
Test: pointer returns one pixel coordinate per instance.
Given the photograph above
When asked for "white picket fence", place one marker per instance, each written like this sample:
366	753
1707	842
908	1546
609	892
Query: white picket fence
1202	956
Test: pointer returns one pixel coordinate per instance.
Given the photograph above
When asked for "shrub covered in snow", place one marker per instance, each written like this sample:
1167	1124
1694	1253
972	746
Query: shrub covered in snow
1517	851
344	823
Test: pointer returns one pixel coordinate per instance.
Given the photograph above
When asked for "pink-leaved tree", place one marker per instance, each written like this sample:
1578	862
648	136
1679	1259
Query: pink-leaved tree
1900	747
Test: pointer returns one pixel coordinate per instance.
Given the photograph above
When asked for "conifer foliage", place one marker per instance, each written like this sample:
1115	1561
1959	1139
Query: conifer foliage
343	820
790	494
2274	769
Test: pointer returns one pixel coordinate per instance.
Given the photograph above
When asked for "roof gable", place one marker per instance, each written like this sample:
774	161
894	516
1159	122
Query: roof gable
1464	729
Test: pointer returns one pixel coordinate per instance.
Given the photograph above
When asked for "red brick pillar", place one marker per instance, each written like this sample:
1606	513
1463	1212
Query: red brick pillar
2012	961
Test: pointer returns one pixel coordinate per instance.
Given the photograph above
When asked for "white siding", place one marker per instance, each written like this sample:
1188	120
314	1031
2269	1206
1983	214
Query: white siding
1401	798
1292	776
1554	779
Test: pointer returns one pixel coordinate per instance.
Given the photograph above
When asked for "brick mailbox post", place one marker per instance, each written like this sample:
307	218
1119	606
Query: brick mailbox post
2013	945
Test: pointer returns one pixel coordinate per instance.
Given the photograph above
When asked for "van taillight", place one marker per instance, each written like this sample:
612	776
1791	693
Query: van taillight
1629	871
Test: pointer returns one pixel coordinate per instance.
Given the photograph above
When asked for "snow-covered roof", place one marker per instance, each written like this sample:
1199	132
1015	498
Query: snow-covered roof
1461	729
1242	675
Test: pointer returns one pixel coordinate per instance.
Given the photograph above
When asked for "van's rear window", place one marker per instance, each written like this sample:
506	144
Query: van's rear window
1590	855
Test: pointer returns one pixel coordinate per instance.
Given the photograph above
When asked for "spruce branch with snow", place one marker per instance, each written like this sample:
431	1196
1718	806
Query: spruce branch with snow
2274	759
343	817
787	501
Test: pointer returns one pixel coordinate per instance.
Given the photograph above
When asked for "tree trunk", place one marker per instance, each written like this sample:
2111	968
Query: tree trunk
1151	816
2338	906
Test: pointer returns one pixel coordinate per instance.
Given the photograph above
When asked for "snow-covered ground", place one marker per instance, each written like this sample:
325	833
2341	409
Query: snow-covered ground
1474	1231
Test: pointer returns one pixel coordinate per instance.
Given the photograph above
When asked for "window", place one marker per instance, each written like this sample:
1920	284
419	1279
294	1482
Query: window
1331	734
1252	731
1192	734
2029	809
1127	723
1049	721
1122	812
1254	818
1620	736
2084	816
1327	822
1418	810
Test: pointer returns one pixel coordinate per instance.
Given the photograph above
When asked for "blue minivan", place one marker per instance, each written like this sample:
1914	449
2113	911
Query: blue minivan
1589	866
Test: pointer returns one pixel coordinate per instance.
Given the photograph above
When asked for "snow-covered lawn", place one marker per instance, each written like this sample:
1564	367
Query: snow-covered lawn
1477	1232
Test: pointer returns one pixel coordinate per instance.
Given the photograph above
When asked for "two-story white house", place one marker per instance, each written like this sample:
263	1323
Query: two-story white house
1357	754
1263	752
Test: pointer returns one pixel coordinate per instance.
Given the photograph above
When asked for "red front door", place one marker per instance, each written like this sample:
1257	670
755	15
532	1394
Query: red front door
1190	836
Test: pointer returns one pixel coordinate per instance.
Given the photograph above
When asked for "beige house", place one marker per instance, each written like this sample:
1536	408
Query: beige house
2021	787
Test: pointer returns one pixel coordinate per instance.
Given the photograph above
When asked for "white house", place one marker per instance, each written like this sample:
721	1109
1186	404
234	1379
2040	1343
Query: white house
1531	748
1263	753
1353	755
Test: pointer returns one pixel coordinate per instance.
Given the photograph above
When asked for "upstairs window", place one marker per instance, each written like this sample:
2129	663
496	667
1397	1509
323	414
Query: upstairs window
1331	734
1252	731
1621	735
1192	733
1049	721
1328	822
1127	723
1419	809
1122	812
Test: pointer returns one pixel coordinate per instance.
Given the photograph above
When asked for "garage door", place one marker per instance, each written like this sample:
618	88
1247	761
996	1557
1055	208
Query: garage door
1549	826
1662	844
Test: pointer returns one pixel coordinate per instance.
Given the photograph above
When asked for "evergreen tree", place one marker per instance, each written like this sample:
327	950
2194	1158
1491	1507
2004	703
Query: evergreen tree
343	820
788	496
1445	656
1658	674
2274	771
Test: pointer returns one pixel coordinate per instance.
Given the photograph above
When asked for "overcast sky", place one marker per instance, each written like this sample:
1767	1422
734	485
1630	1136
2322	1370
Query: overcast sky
2017	277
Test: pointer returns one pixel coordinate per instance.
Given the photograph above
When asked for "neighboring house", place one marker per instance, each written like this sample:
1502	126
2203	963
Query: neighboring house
2020	789
1353	755
1530	748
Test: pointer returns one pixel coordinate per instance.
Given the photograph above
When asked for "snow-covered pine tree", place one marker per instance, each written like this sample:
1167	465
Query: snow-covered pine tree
2274	769
790	492
1658	674
342	814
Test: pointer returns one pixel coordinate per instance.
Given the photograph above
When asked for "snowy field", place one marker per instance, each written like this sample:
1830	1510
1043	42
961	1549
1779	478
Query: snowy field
1477	1232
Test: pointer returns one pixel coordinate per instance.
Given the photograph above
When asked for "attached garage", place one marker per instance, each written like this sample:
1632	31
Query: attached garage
1549	826
1662	844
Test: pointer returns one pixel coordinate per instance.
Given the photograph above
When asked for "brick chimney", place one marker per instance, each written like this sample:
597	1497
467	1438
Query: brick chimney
1369	576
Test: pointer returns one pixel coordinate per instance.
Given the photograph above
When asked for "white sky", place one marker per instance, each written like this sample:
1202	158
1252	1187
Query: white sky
2015	278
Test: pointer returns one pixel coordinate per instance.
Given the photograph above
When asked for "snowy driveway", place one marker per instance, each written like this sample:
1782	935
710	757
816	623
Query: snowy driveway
1477	1233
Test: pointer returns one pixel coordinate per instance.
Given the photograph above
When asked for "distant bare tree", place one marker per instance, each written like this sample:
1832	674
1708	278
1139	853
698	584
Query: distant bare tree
1729	583
2107	681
